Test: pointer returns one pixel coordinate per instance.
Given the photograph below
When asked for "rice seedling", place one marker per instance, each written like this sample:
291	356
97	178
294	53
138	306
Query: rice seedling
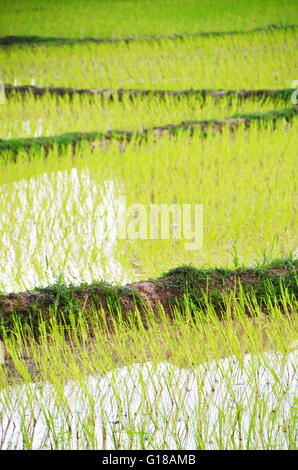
78	19
203	355
52	115
261	62
154	387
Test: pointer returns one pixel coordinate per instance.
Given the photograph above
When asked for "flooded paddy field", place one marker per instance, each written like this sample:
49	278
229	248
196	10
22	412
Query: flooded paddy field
148	225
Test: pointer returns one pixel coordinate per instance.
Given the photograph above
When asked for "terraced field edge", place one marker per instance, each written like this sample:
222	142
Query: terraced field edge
73	138
181	287
31	40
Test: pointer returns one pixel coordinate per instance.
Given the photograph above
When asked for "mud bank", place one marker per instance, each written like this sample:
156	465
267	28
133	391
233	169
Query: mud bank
176	288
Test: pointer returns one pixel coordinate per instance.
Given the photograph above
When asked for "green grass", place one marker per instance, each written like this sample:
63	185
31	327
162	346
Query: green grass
102	18
265	61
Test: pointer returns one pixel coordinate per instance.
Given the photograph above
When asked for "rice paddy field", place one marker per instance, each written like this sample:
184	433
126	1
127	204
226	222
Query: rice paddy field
148	338
257	60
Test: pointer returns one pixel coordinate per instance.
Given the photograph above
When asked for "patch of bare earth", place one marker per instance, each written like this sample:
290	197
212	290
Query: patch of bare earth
145	294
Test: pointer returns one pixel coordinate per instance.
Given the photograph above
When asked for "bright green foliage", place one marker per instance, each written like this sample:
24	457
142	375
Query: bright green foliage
64	167
139	18
262	60
53	209
52	115
182	344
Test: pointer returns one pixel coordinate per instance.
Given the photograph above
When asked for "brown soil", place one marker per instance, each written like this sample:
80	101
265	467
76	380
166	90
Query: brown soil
165	291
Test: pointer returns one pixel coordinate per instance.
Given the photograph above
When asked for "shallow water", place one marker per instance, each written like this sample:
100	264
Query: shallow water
60	224
217	405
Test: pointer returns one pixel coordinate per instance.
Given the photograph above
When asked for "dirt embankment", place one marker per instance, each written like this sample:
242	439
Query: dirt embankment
173	289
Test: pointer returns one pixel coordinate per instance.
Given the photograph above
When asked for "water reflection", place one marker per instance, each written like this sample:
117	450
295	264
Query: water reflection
59	221
237	404
28	129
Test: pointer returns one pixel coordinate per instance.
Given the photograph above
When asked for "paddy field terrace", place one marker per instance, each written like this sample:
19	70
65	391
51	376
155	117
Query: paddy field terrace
176	329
